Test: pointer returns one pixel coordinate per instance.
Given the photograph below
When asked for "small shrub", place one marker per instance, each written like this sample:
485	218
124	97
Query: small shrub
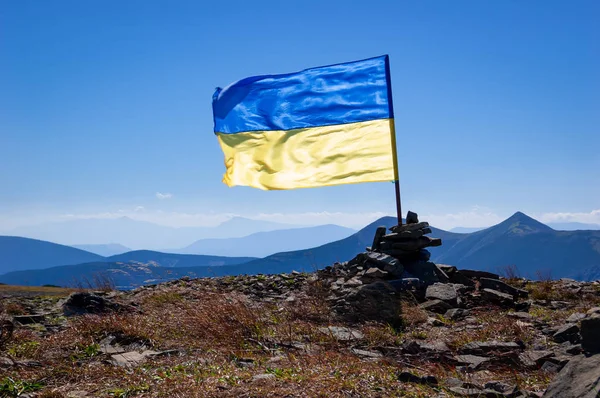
10	387
14	309
27	349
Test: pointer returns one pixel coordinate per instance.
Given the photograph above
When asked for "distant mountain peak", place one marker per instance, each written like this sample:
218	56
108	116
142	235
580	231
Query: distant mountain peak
521	224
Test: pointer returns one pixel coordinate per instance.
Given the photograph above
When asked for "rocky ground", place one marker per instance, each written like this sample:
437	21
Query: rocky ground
366	328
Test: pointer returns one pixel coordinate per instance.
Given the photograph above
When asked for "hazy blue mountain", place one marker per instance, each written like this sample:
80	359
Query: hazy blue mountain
520	240
124	275
140	234
170	260
17	253
109	249
465	230
263	244
529	245
573	226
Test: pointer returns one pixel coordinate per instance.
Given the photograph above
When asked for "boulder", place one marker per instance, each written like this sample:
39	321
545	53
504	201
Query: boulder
580	378
590	334
442	291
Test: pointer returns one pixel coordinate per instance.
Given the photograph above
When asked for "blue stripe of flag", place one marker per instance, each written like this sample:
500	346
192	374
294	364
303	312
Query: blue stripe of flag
329	95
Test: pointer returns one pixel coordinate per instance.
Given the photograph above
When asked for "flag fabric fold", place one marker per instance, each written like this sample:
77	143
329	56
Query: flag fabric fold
322	126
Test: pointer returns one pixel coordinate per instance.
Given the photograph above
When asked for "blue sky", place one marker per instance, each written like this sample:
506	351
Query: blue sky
105	107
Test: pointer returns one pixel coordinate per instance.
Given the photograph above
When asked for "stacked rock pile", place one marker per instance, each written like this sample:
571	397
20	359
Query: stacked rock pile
406	242
370	286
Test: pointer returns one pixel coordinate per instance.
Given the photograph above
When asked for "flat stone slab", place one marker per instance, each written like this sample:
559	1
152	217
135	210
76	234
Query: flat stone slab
342	333
473	362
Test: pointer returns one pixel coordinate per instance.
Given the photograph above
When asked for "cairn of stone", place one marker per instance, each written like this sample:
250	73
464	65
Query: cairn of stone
370	287
407	243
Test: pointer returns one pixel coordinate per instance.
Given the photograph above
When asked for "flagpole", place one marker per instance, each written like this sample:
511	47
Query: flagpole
393	134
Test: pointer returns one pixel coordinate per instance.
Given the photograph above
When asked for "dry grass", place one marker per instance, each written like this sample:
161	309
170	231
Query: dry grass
14	290
224	339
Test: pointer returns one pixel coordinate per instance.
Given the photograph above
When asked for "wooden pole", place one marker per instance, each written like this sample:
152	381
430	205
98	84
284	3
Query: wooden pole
393	134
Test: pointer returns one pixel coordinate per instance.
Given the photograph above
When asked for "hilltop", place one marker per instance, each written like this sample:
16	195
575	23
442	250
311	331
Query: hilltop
287	335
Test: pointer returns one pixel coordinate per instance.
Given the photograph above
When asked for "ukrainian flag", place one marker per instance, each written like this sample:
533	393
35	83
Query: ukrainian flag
322	126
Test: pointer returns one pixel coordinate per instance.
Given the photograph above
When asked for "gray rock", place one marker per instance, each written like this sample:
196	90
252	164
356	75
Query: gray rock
590	334
383	261
466	392
550	367
568	332
524	316
375	273
409	227
437	306
427	272
534	359
342	333
495	284
504	388
453	382
496	297
489	346
592	311
473	362
456	313
442	291
366	354
416	243
575	317
379	233
412	218
580	378
263	376
130	359
417	347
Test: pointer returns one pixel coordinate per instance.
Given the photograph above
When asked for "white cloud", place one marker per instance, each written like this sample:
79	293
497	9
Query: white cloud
165	195
139	208
593	217
477	217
